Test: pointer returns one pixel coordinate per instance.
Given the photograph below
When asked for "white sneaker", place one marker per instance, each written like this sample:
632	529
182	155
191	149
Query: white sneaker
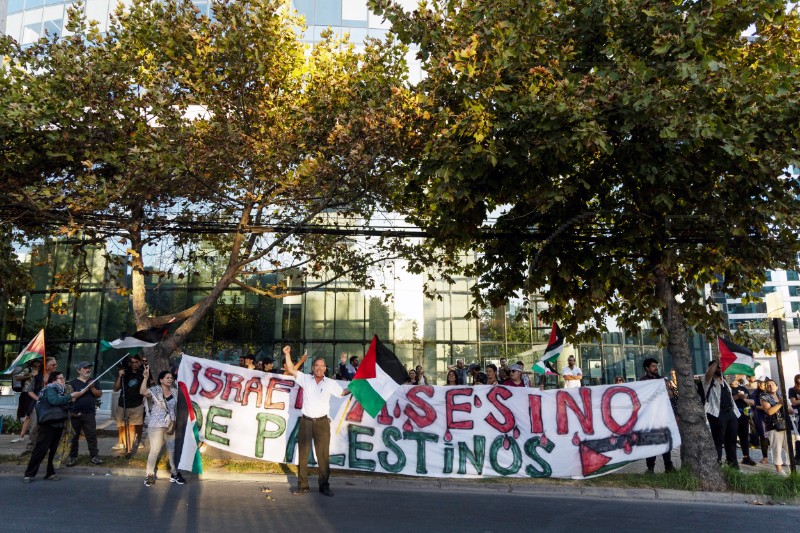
118	447
20	439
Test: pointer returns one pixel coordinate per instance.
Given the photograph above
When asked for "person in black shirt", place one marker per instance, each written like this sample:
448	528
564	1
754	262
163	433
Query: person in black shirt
82	414
741	397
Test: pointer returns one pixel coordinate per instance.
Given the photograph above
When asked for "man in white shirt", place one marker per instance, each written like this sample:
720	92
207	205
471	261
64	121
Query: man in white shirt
315	422
572	374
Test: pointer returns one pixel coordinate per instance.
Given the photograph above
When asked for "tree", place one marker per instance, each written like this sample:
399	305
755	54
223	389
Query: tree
223	138
632	153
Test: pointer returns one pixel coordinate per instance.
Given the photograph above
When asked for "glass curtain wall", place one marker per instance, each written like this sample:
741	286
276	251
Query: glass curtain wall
339	318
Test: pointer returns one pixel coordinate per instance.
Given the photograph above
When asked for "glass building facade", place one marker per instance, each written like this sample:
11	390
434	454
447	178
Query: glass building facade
337	318
28	20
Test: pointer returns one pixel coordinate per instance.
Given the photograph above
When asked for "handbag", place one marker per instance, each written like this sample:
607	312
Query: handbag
779	423
170	425
170	420
47	413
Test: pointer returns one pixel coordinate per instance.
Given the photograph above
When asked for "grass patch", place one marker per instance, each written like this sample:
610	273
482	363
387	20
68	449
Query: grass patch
763	483
680	479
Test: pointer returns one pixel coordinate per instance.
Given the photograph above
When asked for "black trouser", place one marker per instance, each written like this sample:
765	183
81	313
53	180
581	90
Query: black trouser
651	462
46	440
318	429
724	429
744	434
88	423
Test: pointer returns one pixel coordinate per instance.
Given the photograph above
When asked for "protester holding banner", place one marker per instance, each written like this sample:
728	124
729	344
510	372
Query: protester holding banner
162	403
650	367
52	414
451	378
315	423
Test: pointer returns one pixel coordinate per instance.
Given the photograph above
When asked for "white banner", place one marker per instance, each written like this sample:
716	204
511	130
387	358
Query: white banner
434	431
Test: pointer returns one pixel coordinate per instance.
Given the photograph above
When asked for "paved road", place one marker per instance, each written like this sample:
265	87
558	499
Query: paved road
86	502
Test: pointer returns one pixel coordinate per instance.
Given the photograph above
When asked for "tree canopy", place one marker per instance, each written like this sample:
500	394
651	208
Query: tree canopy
621	156
224	136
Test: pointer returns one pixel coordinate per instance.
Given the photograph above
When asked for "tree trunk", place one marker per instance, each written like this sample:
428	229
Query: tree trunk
697	446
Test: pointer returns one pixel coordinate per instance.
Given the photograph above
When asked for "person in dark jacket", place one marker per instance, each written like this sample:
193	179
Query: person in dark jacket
650	367
53	397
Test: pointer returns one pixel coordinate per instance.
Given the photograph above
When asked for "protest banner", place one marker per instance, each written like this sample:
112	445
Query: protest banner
457	432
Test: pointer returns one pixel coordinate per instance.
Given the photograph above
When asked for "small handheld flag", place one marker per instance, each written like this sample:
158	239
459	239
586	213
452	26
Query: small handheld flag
377	378
545	363
33	350
735	359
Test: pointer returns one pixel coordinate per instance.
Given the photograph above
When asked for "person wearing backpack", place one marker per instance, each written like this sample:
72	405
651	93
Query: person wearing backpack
22	381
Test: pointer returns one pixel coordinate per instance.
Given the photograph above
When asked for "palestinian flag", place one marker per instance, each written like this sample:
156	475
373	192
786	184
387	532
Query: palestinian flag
145	338
545	363
377	378
187	434
735	359
33	350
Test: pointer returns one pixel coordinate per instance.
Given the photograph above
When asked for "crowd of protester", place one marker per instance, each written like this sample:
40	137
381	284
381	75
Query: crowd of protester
743	412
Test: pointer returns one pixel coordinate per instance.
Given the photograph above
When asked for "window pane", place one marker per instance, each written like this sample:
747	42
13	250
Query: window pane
306	8
328	13
354	13
15	5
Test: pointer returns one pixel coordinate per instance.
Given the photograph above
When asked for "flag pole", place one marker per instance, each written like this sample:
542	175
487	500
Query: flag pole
107	370
344	414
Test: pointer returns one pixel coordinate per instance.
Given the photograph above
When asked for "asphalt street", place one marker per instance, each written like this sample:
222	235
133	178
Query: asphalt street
95	502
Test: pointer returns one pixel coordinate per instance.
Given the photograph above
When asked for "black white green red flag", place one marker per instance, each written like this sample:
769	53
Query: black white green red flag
145	338
545	363
187	433
379	375
33	350
735	359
